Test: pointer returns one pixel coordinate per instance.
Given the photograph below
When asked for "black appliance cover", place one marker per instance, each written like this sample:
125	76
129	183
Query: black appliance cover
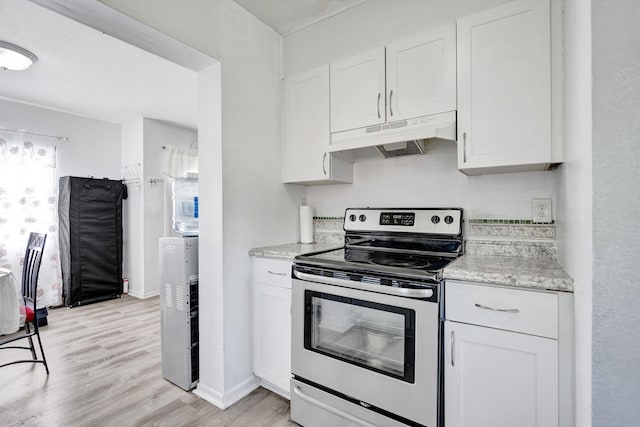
90	219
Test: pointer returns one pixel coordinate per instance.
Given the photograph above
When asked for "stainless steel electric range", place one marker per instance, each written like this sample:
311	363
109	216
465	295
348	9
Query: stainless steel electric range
367	320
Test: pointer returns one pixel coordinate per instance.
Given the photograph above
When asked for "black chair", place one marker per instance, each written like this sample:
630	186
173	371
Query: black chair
30	270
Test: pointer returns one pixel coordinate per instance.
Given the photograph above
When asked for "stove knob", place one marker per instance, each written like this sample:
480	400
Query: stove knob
435	219
448	219
363	218
352	217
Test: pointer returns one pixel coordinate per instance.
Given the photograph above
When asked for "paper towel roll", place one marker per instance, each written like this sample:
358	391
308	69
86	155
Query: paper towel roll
306	224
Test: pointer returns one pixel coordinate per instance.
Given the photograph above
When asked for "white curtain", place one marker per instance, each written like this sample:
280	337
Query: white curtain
179	161
28	195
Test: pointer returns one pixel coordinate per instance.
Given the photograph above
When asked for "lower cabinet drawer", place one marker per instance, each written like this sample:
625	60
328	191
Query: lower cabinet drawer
271	271
529	312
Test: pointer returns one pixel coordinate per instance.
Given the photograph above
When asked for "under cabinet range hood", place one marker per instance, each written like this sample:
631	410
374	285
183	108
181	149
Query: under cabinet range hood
403	148
412	133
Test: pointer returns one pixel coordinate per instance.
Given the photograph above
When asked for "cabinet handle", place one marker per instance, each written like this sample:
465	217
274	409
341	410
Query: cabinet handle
379	96
464	147
502	310
453	348
391	102
275	273
324	157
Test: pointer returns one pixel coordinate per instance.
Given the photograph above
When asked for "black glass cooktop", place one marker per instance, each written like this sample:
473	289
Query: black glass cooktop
379	262
400	260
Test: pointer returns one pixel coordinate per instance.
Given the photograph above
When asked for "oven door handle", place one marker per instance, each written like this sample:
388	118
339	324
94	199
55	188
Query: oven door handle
322	405
389	290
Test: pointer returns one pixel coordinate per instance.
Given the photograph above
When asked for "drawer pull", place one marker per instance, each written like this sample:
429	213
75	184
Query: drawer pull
502	310
276	273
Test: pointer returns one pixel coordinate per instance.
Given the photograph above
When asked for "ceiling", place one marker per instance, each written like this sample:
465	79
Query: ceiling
286	16
85	72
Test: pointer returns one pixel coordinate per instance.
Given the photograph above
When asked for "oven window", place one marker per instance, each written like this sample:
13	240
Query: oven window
375	336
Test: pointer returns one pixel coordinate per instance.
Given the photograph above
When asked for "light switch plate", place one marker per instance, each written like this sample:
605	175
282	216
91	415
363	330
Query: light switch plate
541	211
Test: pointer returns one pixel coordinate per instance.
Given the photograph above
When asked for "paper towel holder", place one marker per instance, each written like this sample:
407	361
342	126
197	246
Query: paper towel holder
306	224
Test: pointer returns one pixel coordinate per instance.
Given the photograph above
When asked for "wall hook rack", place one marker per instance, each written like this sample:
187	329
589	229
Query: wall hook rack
131	174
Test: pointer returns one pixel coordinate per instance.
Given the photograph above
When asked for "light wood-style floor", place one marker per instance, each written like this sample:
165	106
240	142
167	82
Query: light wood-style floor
105	371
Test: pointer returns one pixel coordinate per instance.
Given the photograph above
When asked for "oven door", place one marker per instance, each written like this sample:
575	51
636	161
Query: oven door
378	351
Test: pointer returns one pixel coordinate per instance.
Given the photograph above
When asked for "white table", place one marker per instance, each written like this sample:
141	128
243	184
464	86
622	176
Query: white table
9	310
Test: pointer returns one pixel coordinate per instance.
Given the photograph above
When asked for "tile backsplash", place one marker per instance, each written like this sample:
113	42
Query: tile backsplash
504	237
508	229
328	229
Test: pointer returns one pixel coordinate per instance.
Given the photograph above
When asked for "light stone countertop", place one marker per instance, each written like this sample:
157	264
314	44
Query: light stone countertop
517	271
291	250
521	272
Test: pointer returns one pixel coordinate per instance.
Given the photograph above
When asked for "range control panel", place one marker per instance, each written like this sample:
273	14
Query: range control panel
419	220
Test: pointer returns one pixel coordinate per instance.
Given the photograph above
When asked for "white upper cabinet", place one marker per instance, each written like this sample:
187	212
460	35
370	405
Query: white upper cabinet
415	77
358	91
306	131
504	89
421	75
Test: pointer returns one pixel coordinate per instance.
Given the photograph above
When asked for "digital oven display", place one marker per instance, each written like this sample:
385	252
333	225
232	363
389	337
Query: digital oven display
395	218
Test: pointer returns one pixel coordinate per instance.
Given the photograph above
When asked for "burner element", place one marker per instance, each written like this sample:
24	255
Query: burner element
404	263
396	260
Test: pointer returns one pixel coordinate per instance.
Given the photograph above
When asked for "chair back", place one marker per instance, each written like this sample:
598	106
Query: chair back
31	266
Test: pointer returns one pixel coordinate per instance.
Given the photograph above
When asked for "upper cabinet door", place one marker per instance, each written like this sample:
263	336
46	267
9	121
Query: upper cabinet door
504	88
358	91
306	126
421	75
306	131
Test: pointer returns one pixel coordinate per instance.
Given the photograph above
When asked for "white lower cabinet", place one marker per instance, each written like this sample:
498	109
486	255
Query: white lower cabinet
499	378
272	323
507	357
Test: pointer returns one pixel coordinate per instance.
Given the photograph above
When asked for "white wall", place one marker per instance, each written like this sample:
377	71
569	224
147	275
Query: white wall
211	290
93	148
248	192
616	203
144	213
574	207
156	134
132	218
430	180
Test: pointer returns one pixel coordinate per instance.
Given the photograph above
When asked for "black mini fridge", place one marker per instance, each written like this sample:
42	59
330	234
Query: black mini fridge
90	230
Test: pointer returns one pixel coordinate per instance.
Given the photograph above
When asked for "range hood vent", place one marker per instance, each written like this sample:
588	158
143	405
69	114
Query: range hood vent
400	138
404	148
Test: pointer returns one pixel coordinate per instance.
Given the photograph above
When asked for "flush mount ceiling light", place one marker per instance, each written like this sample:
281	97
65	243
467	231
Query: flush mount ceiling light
14	57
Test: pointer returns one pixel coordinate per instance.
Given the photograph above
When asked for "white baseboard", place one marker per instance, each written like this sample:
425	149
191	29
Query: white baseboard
210	395
223	401
274	388
141	295
241	390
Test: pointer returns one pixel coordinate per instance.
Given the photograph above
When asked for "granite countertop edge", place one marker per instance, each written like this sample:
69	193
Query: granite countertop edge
520	272
291	250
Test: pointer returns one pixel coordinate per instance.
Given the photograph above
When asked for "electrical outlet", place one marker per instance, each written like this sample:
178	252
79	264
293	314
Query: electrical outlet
541	210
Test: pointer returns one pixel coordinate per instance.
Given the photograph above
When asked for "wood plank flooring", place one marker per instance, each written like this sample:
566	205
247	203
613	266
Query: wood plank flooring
105	371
